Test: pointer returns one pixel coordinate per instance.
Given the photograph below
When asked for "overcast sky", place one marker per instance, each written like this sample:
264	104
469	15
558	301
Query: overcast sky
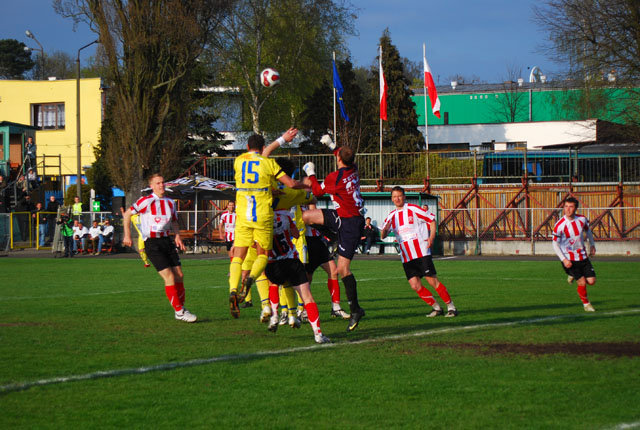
465	37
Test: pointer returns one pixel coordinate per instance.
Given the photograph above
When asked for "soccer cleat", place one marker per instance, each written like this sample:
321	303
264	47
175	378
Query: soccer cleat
284	318
320	338
570	279
273	323
233	304
147	265
355	319
589	308
244	289
186	316
294	322
339	313
265	314
451	313
247	304
435	313
302	316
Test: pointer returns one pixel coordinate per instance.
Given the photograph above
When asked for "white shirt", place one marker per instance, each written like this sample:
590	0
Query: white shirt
80	232
107	230
94	232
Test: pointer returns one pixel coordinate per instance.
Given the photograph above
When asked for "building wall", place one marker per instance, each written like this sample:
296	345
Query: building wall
16	98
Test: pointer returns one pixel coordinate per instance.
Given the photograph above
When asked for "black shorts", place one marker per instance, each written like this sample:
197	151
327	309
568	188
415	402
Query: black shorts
318	253
289	271
229	244
162	252
349	231
579	269
420	267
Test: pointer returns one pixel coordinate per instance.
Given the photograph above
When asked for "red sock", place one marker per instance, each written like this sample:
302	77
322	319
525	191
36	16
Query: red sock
425	295
443	293
334	289
274	297
172	295
180	290
314	316
582	292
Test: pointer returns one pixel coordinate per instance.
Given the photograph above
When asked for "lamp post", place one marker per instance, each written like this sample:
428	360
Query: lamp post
78	145
30	35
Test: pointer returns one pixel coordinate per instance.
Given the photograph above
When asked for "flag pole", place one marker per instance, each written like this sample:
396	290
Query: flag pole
335	136
426	115
380	68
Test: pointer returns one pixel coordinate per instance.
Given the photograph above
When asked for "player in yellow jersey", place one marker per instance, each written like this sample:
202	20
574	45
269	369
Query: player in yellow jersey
254	175
135	220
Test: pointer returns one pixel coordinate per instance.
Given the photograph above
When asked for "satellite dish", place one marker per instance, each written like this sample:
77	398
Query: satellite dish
535	75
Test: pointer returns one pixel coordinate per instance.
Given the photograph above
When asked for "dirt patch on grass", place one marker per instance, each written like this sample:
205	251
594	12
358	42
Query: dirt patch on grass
21	324
610	349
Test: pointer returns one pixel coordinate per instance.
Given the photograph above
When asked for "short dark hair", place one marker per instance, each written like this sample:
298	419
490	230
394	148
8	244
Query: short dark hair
347	155
287	165
572	200
255	142
153	175
398	188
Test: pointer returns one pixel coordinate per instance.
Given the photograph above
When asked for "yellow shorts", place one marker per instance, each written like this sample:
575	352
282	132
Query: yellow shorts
246	235
252	254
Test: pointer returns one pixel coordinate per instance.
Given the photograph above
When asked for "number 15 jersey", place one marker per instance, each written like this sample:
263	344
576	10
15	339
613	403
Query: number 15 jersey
254	175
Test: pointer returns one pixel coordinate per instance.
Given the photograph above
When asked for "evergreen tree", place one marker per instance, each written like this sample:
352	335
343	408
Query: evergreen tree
400	133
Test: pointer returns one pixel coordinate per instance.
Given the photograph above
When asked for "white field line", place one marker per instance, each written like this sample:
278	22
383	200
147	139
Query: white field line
4	389
624	426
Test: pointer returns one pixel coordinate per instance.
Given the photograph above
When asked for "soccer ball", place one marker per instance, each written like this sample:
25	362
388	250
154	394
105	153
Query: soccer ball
269	77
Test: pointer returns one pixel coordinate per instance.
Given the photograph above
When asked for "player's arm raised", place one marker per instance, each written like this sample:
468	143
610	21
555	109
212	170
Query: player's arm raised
282	141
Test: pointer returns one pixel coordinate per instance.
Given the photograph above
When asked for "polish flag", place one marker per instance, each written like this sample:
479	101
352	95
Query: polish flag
431	89
383	92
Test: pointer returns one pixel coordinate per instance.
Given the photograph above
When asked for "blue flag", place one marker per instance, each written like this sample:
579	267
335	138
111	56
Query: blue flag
339	90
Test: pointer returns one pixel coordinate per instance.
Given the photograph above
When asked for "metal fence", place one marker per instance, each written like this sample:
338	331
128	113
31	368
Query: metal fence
459	167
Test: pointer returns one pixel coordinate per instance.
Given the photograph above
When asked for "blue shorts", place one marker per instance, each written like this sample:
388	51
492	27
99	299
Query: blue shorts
349	231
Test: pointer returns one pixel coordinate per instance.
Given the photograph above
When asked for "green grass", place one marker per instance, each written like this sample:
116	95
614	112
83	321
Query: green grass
74	317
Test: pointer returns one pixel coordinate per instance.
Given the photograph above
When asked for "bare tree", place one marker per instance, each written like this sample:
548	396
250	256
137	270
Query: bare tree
150	48
510	105
599	40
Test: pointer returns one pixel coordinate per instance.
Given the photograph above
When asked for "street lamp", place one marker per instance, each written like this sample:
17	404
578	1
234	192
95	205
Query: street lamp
30	35
78	146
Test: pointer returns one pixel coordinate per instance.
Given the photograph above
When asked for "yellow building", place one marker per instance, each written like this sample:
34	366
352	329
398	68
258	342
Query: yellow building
51	107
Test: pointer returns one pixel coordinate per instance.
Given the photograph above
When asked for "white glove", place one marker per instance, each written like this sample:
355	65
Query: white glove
283	143
326	140
309	169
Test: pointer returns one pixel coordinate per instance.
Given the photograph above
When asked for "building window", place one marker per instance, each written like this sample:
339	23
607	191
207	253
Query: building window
48	116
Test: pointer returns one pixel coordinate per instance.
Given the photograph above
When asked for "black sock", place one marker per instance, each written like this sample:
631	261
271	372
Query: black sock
352	292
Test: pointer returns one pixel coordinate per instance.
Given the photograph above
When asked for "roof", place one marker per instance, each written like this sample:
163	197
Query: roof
18	125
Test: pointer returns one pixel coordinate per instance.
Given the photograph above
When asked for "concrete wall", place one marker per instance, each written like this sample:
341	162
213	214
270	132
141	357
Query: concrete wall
517	247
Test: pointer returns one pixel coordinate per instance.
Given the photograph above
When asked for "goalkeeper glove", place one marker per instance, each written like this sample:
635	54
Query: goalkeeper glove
326	140
309	169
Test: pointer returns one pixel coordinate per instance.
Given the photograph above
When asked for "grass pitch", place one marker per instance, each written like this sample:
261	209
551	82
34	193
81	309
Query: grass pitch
522	352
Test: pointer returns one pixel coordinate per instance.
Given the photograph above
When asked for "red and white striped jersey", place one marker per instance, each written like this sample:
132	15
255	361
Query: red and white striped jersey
283	246
228	219
568	234
156	215
411	227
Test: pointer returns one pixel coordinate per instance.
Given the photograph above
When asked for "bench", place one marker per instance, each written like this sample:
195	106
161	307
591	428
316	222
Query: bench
206	242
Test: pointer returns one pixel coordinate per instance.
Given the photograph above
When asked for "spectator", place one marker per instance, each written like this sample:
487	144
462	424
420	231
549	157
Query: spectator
80	234
66	230
3	185
369	235
32	179
76	209
41	220
24	205
52	208
30	152
22	185
94	236
106	236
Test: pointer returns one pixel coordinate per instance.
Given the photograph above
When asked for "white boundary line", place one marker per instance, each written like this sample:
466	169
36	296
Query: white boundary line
624	426
5	389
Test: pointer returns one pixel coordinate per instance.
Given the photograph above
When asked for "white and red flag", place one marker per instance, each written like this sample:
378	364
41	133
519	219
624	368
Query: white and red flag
431	89
383	92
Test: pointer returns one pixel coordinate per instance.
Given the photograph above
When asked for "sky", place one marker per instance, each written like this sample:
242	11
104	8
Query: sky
471	38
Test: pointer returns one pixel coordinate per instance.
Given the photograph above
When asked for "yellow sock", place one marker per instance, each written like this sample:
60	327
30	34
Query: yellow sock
258	266
262	284
235	273
290	299
300	302
144	257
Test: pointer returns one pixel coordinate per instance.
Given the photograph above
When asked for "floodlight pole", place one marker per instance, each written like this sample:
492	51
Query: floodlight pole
78	144
30	35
